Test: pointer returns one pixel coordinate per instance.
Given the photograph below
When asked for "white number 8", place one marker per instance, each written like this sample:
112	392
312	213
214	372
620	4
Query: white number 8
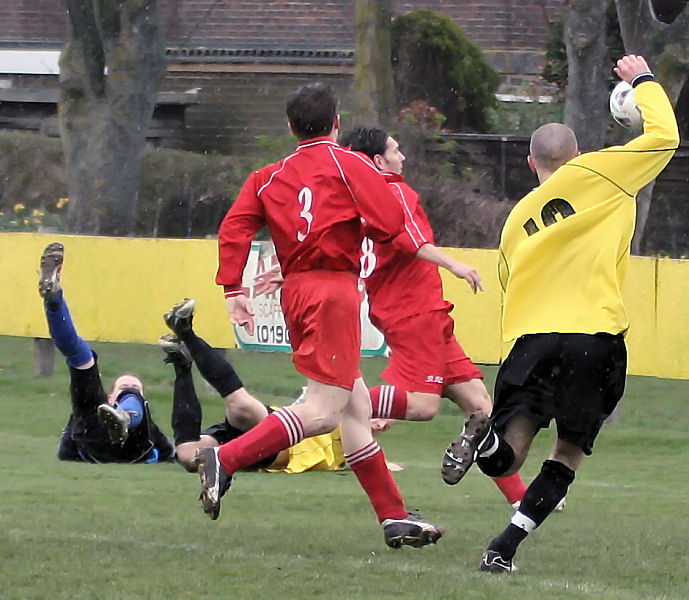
367	259
305	200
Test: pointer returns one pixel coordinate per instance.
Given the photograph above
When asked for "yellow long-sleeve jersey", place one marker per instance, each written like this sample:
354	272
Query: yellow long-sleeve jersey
565	246
318	453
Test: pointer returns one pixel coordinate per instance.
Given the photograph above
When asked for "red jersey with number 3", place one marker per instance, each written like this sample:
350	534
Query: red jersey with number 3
314	202
398	284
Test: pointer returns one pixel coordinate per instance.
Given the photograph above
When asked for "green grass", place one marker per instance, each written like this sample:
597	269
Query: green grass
76	531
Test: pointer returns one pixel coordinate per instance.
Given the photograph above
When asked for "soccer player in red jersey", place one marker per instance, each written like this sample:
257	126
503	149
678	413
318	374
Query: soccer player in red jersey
313	202
407	304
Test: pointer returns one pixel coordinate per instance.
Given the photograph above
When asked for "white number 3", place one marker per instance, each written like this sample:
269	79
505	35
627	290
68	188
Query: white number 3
305	201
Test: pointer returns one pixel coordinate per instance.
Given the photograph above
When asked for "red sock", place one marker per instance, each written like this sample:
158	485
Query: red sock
388	402
368	464
512	487
276	432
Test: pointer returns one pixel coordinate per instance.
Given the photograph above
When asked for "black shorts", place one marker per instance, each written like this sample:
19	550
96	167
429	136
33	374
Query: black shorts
575	378
223	432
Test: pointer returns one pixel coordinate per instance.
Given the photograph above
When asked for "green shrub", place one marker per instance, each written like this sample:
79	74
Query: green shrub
460	199
181	194
522	118
434	61
186	194
33	187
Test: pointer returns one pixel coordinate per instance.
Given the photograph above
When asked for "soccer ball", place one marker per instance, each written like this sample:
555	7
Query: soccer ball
623	107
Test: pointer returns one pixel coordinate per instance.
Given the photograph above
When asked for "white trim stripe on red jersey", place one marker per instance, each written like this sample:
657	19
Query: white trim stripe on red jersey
274	173
339	168
292	424
318	143
362	454
407	222
362	157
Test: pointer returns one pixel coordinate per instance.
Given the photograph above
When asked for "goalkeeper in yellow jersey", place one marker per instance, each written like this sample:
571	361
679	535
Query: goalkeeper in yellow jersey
564	250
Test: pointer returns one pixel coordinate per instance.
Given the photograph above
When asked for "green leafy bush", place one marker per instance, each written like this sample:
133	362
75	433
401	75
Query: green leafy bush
21	218
460	198
186	194
181	194
434	61
33	188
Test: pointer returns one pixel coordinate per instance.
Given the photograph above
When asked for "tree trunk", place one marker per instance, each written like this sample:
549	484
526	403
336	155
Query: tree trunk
666	49
109	75
664	45
374	96
586	95
643	206
44	357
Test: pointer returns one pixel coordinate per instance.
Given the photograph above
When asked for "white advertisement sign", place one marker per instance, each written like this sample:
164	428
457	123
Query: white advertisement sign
271	333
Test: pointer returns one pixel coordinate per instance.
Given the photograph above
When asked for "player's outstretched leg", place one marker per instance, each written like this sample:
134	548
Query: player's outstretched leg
412	531
180	316
211	362
60	325
463	451
51	266
214	480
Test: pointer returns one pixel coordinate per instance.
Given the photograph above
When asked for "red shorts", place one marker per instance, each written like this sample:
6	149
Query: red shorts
321	311
425	355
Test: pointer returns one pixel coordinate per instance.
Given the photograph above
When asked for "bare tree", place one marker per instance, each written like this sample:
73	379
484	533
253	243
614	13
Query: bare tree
110	70
586	94
666	47
373	83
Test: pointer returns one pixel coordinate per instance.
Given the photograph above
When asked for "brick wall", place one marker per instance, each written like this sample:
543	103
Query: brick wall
33	21
493	24
236	108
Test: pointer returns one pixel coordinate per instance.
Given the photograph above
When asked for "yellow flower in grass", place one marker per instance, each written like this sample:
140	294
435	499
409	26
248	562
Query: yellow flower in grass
18	207
37	212
61	202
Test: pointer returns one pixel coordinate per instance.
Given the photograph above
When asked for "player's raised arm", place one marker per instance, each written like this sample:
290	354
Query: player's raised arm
641	160
631	66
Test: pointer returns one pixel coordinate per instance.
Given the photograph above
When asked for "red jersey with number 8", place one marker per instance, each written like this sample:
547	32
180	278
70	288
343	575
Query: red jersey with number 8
400	285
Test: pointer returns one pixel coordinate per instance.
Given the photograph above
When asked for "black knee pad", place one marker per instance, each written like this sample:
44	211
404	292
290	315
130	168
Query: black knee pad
498	463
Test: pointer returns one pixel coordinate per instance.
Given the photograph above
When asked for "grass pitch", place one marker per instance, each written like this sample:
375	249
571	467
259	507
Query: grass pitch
77	531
